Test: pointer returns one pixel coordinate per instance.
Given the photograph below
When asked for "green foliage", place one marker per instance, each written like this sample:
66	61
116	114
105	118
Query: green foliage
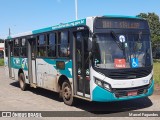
156	67
156	61
154	23
1	62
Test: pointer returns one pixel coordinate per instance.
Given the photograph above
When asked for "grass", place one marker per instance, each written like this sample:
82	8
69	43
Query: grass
1	62
157	72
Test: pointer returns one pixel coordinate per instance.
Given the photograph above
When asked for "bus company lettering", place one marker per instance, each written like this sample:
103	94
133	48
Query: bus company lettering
119	63
71	24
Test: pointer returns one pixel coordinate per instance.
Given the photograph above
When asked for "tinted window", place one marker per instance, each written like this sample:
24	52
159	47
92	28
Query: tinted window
63	46
52	39
16	42
16	51
51	46
41	48
23	42
23	49
41	51
63	37
42	40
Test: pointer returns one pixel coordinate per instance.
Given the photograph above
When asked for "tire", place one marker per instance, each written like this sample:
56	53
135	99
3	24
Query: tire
67	94
22	83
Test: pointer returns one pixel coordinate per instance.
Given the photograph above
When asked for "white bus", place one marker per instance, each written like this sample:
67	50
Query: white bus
102	58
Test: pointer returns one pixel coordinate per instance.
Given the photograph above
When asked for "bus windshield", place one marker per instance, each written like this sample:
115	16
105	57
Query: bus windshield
122	51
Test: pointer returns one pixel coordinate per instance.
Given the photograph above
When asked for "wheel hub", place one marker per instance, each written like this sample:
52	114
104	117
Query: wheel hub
67	92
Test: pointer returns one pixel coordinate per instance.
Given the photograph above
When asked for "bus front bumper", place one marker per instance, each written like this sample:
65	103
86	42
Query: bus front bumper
101	95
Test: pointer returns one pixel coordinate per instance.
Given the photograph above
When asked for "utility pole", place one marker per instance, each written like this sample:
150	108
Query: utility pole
76	9
9	32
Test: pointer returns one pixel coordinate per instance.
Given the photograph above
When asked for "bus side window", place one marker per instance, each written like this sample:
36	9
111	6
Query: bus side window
51	45
41	46
16	51
63	44
23	49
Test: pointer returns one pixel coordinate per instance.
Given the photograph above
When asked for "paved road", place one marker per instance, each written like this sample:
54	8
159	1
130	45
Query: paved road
13	99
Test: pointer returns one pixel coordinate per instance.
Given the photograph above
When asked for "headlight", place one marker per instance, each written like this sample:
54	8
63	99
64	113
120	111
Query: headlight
106	86
103	84
98	82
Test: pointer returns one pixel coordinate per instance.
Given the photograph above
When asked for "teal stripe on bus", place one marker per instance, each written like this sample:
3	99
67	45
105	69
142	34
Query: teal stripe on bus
68	66
42	30
18	63
61	26
122	16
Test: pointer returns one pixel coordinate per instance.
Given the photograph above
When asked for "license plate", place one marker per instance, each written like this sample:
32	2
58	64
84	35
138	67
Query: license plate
132	93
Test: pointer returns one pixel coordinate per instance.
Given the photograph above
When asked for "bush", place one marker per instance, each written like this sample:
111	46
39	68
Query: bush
157	73
156	60
1	62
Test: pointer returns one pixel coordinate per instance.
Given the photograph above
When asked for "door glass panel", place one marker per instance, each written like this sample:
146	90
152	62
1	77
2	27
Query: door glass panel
82	62
86	62
79	61
33	48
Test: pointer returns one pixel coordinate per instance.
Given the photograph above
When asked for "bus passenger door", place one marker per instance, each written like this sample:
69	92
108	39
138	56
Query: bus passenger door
81	63
32	61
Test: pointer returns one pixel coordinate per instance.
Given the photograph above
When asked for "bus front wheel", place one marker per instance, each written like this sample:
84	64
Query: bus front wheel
22	83
67	94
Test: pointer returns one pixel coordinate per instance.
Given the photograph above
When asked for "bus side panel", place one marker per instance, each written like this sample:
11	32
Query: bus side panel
17	64
46	74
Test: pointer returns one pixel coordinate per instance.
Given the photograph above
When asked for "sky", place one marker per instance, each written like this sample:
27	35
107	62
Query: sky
26	15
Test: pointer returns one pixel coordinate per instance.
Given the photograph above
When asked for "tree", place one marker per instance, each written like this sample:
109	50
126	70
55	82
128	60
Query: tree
1	40
154	24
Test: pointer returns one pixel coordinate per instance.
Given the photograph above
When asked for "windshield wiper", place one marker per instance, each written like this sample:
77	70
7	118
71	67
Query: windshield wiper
140	36
115	38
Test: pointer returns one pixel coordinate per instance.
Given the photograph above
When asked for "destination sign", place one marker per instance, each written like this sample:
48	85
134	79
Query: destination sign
121	24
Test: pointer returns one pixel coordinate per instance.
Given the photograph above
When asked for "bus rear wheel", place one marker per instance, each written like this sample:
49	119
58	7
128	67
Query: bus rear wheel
67	94
22	83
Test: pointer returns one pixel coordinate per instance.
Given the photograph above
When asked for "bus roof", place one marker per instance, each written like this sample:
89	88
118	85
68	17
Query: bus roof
122	16
67	25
